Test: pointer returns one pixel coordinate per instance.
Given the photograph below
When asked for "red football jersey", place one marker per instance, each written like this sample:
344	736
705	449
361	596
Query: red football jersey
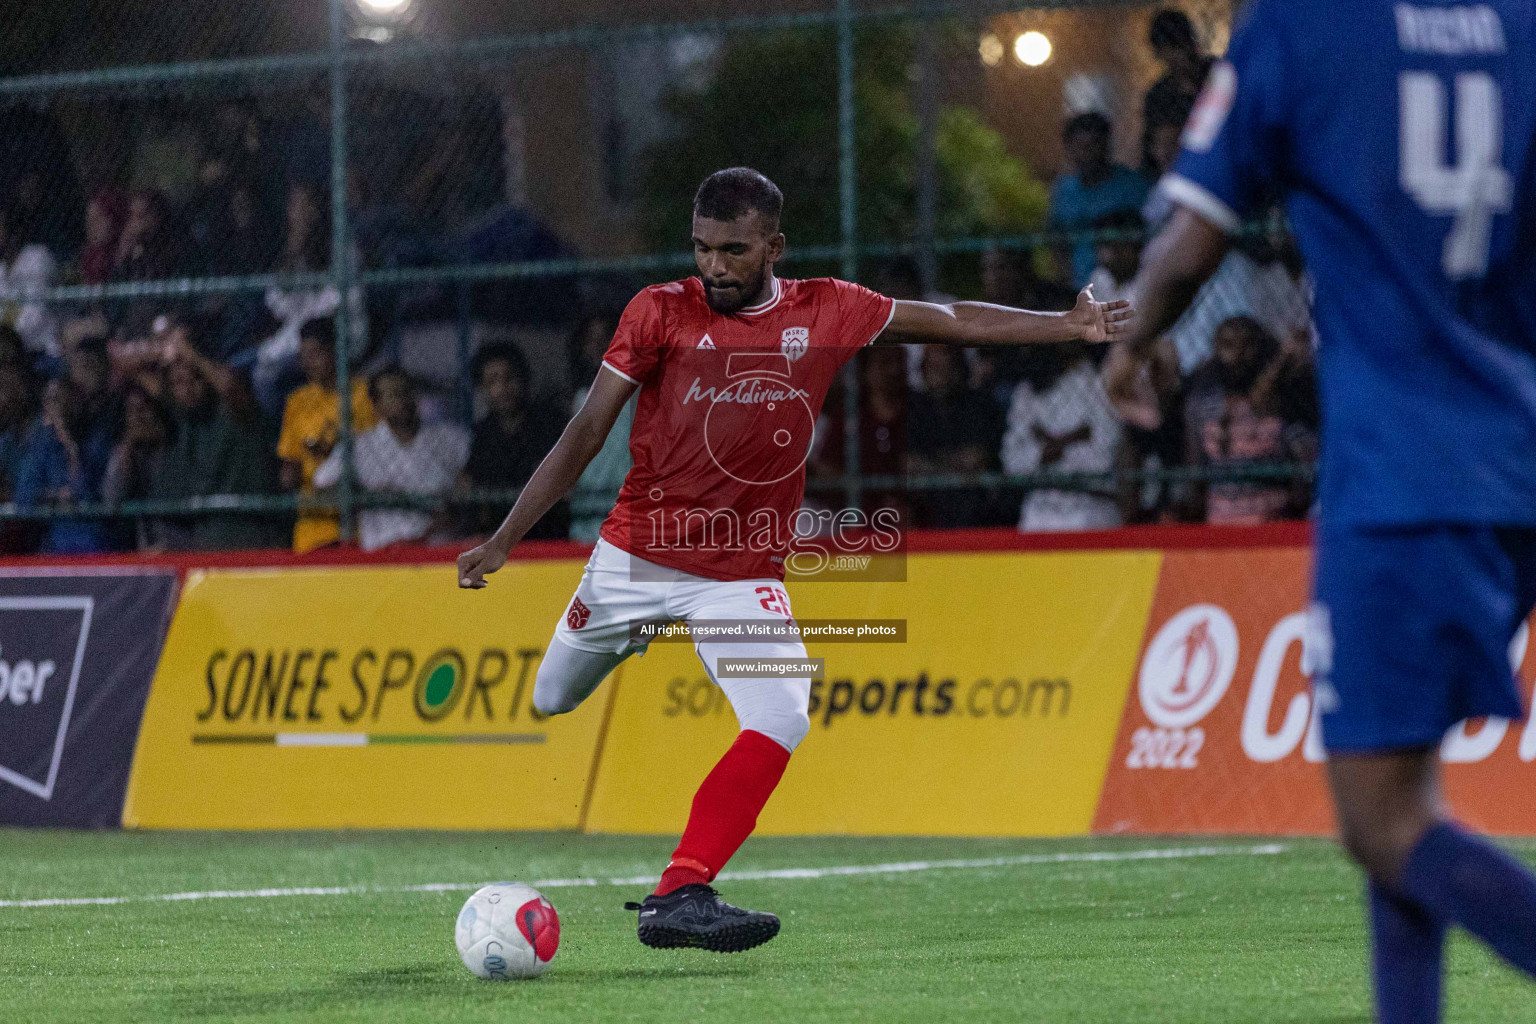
724	420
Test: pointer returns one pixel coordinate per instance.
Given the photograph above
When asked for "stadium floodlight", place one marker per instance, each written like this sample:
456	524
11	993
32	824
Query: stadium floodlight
1032	48
384	12
991	50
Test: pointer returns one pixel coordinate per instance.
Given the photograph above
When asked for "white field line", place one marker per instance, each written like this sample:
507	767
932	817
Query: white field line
793	874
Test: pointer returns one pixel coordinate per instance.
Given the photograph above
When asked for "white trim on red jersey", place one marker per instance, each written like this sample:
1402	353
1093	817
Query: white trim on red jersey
765	306
888	318
621	373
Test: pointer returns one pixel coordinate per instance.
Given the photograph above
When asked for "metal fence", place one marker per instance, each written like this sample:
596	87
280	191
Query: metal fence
495	173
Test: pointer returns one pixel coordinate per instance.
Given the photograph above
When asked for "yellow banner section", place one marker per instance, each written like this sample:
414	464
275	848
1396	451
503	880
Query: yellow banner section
996	717
368	697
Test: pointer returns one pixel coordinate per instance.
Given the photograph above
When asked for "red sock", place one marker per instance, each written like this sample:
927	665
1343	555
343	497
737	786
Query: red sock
725	810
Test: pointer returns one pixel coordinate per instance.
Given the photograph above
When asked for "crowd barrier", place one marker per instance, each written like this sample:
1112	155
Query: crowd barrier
1144	680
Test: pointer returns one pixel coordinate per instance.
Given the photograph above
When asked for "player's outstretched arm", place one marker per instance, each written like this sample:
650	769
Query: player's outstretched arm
557	474
981	323
1174	266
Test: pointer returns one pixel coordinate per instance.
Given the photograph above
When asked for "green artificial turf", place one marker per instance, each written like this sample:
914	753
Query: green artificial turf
1229	939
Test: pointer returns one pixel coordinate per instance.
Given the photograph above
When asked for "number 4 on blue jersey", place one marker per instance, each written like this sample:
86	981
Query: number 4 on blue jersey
1401	138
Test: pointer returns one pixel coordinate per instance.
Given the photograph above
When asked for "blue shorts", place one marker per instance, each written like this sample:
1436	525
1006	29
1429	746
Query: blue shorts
1421	620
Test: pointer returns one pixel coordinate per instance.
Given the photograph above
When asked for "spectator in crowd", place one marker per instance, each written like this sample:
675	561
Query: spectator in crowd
167	145
62	465
1117	254
512	438
1161	141
1281	287
1061	421
311	425
598	487
138	461
1173	42
38	178
17	406
306	248
882	431
148	249
214	450
400	456
18	403
1237	416
1009	278
951	429
1240	287
902	278
90	370
234	150
231	236
13	351
105	215
228	234
1160	150
26	267
1091	187
1146	394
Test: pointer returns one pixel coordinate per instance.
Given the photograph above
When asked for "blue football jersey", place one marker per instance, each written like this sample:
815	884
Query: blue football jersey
1400	136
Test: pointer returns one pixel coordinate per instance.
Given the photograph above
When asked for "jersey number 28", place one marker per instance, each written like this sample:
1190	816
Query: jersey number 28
1473	189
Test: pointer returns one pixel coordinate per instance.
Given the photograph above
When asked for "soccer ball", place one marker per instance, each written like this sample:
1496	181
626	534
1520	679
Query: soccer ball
507	930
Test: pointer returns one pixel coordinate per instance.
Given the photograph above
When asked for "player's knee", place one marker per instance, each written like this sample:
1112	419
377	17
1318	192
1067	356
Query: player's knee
550	701
785	726
551	696
1381	844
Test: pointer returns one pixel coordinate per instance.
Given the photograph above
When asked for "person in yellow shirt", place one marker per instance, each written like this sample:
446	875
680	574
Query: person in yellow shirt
310	428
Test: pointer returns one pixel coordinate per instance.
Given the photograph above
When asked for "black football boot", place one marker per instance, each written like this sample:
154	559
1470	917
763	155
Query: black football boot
695	917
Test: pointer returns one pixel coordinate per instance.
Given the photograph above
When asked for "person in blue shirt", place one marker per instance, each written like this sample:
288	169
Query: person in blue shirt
1091	188
62	463
1401	138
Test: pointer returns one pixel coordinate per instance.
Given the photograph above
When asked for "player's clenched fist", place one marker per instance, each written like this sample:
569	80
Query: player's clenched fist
478	563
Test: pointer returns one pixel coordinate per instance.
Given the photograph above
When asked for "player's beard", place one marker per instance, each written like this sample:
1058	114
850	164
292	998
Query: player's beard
733	300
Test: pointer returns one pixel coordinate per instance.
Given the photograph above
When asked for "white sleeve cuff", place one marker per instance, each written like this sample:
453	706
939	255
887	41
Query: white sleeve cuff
1201	200
620	372
888	318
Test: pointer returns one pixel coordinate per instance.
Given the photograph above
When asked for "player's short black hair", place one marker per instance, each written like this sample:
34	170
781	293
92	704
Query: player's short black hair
728	194
1091	121
388	370
501	351
1172	29
322	330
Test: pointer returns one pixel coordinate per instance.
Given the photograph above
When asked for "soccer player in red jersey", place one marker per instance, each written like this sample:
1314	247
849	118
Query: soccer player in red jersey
732	367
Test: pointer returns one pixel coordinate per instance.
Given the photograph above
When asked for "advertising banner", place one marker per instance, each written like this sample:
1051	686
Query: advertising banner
77	652
994	717
361	697
1220	732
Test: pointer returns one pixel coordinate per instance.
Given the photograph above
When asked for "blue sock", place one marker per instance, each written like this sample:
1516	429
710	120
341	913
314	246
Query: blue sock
1408	946
1462	878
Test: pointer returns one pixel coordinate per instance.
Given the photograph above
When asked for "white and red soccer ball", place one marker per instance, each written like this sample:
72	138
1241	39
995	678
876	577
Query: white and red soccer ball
507	930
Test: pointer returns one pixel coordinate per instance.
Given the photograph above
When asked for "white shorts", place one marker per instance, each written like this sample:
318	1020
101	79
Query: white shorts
619	590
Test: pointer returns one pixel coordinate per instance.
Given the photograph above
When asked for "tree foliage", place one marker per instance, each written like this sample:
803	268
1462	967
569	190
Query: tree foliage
772	104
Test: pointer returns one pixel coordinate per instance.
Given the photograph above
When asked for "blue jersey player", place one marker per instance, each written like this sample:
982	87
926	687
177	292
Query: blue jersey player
1400	137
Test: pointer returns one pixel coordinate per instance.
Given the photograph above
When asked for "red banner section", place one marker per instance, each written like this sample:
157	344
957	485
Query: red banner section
1219	732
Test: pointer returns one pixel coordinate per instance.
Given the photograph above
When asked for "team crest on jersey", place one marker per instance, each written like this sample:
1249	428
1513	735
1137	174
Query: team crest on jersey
795	341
